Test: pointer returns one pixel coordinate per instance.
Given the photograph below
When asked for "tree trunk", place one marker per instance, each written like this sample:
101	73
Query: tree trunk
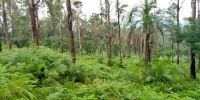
119	30
79	34
147	50
192	65
101	12
198	17
178	49
71	36
192	55
5	25
10	13
109	31
172	50
178	52
61	39
34	21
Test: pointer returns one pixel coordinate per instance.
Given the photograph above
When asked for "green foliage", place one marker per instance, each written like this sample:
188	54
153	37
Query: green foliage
22	41
166	51
192	33
115	49
40	73
89	47
164	71
54	43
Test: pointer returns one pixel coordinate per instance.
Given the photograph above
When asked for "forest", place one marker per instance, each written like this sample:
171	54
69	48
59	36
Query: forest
147	53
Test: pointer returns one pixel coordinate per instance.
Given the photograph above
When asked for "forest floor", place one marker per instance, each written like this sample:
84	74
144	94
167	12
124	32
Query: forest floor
44	74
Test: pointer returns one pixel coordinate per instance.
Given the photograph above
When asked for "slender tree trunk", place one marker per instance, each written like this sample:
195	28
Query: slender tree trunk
5	25
147	50
198	17
192	65
109	30
101	12
79	34
61	39
119	30
147	43
34	21
178	49
172	50
129	50
192	55
71	36
10	13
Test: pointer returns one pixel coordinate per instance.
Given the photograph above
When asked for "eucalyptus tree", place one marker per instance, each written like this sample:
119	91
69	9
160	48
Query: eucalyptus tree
178	32
5	24
109	43
171	11
78	4
119	10
55	8
97	31
33	7
71	36
192	54
192	38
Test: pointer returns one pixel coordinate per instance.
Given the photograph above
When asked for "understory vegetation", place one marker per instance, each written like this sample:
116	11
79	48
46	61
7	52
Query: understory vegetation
39	73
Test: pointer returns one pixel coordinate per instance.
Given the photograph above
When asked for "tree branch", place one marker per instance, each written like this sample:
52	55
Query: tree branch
37	2
181	4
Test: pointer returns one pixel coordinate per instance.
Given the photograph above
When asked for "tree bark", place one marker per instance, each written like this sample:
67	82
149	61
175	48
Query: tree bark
34	21
192	65
192	55
109	26
10	4
79	34
61	39
198	17
119	30
5	25
71	36
172	50
101	12
147	50
178	49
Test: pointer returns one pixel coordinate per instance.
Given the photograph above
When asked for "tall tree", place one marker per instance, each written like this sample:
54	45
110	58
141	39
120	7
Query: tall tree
107	2
33	7
198	18
119	30
71	36
120	10
192	54
78	5
148	28
178	42
5	25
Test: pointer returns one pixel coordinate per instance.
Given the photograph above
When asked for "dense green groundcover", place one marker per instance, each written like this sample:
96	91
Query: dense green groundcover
43	74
